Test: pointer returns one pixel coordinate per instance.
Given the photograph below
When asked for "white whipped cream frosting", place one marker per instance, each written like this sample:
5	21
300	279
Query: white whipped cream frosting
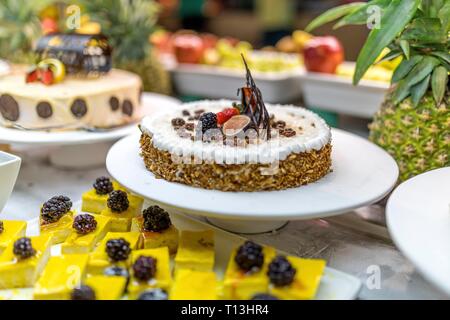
314	135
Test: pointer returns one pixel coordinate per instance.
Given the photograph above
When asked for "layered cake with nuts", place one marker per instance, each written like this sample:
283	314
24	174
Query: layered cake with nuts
244	146
71	87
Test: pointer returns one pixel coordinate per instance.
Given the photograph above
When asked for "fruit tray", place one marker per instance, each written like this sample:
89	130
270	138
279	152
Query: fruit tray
337	93
209	81
334	284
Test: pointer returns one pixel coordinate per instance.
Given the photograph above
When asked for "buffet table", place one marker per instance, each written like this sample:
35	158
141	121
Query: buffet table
347	242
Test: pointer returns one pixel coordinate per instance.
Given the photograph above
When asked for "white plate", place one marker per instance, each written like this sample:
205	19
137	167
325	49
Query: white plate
335	284
152	102
214	81
338	94
418	218
362	174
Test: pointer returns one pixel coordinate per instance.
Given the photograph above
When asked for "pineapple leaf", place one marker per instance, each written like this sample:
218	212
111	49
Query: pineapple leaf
404	44
439	82
333	14
425	30
401	91
421	70
405	67
444	56
419	90
396	17
360	15
431	7
444	15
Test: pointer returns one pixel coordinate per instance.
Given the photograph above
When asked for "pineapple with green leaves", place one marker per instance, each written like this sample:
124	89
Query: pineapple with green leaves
128	25
413	123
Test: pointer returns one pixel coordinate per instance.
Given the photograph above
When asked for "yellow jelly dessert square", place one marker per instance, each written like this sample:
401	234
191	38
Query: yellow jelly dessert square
239	284
107	287
155	239
121	221
194	285
162	279
60	229
195	251
93	202
85	243
99	259
60	276
11	230
23	273
306	280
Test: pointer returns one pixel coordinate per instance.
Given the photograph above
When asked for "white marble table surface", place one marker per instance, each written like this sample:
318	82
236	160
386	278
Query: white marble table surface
368	257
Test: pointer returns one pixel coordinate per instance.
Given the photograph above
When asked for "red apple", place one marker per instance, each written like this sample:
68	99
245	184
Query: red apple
209	40
188	48
323	54
162	41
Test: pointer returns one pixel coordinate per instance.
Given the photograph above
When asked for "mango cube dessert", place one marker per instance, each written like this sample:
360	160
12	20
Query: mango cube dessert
246	273
156	228
87	231
107	287
151	269
9	230
60	276
195	251
23	261
122	208
56	218
293	278
194	285
94	200
114	250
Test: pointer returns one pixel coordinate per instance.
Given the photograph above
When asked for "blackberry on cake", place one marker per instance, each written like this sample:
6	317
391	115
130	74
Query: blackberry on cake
83	292
118	249
118	201
281	272
144	268
103	185
84	223
23	248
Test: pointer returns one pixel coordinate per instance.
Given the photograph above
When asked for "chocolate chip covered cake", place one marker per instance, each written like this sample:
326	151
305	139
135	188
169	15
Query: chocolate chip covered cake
107	101
231	146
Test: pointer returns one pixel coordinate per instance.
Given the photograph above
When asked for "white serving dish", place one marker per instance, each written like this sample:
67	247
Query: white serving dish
418	218
335	284
9	169
222	83
337	94
363	173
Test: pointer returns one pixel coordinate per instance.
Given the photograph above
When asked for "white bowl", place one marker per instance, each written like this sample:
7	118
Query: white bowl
9	169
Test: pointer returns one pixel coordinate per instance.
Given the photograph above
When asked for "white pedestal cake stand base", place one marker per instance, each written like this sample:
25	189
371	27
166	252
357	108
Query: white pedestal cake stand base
362	174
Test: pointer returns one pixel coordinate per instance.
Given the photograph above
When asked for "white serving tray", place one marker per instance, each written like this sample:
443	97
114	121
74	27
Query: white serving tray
335	285
217	82
337	93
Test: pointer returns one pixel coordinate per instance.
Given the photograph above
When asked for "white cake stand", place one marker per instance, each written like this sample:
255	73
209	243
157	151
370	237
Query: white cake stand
77	148
362	174
418	218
